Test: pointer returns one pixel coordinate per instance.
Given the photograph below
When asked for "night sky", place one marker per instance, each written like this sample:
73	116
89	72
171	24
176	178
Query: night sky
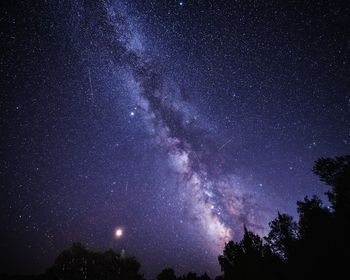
177	121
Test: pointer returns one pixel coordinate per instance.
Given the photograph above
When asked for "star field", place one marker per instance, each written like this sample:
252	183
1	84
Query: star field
167	124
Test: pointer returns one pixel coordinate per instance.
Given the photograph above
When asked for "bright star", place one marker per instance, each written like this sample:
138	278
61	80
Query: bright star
118	232
132	114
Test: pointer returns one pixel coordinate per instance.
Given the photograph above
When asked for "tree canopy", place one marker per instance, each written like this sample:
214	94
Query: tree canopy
315	247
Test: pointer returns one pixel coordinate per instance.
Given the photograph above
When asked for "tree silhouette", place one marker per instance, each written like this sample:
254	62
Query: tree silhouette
80	263
194	276
314	219
167	274
244	259
315	227
336	173
317	247
282	236
205	276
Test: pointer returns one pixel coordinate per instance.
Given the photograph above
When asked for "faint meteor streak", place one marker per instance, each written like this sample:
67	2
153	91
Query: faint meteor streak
126	186
227	142
91	89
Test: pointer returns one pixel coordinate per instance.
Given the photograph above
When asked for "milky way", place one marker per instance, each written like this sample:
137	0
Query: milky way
216	202
179	122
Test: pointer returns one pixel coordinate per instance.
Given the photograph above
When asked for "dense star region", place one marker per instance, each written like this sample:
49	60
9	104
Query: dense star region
163	127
